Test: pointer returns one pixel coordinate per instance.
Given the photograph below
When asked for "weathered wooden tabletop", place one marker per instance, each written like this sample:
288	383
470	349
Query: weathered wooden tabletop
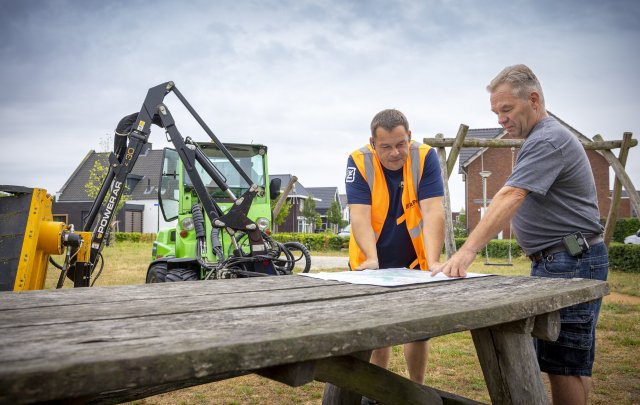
132	341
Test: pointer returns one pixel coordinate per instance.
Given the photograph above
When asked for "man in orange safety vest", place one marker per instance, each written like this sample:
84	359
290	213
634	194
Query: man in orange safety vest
394	190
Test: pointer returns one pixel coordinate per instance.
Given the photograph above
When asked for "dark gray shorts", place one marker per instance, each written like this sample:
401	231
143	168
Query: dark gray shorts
574	351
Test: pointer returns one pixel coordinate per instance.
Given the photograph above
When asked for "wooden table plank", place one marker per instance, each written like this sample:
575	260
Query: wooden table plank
54	344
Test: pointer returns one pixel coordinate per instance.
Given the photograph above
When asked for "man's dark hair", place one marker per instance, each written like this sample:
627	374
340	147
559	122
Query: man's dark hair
388	120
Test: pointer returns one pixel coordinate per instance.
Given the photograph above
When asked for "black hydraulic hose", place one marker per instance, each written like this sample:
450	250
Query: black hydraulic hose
198	224
198	221
54	263
101	258
216	245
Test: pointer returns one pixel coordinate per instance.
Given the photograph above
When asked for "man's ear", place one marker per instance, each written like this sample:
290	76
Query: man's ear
372	142
535	99
409	133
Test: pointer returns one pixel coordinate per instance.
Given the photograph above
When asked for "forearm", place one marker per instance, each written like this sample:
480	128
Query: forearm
503	207
362	230
366	240
433	230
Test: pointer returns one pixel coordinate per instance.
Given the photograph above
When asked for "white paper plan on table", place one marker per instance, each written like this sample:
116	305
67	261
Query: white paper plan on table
387	277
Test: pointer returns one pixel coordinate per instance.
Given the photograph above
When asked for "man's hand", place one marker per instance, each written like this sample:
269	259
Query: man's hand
456	266
369	264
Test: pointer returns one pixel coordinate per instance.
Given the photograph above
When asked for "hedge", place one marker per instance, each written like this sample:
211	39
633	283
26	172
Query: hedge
497	248
133	237
624	257
315	241
625	227
621	257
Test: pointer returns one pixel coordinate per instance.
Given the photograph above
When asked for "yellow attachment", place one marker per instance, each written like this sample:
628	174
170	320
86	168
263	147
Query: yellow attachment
42	238
84	251
50	237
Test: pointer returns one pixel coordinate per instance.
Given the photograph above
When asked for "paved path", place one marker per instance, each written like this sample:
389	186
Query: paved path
318	263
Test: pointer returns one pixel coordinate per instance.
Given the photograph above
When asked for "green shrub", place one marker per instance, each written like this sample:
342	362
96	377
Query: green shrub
621	257
497	248
133	237
625	227
321	242
624	257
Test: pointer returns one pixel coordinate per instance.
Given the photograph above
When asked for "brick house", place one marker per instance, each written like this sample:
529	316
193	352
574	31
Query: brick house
496	165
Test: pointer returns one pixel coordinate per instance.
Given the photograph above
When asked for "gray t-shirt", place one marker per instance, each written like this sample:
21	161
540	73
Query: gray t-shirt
554	167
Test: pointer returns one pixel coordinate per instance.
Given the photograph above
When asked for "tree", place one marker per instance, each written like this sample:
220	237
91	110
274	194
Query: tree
98	173
460	226
96	176
334	215
309	210
284	211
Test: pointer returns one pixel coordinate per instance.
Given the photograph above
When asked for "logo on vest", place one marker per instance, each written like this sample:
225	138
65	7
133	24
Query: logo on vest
410	204
351	175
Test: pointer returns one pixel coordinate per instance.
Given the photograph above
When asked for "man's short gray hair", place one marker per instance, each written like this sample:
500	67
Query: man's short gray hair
522	80
388	120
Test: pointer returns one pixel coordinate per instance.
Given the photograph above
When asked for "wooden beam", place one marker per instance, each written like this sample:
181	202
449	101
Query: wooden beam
339	394
449	237
294	375
612	217
621	174
547	326
508	143
455	149
371	381
283	196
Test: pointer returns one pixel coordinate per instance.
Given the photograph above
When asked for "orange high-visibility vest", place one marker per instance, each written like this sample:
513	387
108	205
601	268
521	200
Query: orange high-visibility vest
367	162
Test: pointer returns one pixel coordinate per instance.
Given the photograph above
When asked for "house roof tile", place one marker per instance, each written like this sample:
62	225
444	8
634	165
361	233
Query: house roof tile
298	189
326	195
145	175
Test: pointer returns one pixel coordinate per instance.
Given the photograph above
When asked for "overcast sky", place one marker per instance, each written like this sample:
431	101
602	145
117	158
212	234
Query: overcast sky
303	77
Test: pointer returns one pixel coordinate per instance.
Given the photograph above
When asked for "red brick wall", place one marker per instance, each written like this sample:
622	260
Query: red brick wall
624	209
600	168
498	162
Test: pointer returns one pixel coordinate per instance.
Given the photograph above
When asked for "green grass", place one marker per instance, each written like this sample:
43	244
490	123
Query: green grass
453	365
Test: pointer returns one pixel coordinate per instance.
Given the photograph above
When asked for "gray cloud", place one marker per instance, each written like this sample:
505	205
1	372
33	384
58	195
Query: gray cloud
304	77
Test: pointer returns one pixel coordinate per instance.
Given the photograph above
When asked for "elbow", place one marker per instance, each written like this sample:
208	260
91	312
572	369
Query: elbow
515	194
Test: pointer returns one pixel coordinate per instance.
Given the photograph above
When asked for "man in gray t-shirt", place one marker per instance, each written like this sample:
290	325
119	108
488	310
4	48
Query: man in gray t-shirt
553	166
550	196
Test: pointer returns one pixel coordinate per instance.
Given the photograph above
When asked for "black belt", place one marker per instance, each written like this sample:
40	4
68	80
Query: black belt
559	247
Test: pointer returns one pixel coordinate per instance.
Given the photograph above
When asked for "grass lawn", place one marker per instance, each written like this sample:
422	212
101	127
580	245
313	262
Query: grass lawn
453	365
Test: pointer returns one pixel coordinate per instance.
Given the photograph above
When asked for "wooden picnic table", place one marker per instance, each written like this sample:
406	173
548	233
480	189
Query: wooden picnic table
115	344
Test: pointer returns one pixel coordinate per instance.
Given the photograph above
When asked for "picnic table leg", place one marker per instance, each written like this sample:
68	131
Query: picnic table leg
509	363
334	395
376	383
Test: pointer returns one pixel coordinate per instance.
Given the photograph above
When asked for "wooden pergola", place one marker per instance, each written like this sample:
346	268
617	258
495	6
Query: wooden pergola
598	144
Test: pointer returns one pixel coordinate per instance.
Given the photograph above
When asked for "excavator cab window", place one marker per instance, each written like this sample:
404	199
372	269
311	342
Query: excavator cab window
249	158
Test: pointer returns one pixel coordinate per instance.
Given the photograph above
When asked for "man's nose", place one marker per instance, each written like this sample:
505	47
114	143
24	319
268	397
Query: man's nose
502	119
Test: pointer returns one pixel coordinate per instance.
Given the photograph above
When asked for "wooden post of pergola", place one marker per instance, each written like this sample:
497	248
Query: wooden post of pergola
617	189
598	144
446	168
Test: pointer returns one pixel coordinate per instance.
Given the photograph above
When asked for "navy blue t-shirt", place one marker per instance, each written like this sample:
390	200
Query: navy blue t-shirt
394	244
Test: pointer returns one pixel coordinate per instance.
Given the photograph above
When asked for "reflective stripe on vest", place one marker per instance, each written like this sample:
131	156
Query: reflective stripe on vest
369	166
